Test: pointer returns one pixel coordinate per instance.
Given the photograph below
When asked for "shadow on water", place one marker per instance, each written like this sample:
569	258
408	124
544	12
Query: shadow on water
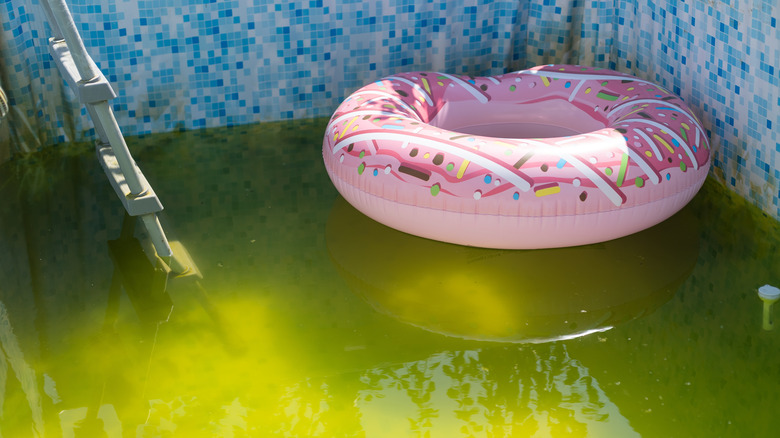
511	296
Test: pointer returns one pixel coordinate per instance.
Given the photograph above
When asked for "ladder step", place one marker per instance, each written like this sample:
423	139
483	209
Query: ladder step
89	92
146	203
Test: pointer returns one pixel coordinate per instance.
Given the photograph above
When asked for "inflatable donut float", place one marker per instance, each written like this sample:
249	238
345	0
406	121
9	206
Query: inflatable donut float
554	156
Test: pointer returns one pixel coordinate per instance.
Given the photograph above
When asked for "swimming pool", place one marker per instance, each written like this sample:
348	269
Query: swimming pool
301	329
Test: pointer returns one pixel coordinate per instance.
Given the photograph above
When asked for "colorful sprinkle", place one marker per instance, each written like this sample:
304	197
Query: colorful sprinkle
663	142
414	171
462	169
435	189
523	159
607	96
684	134
547	189
622	172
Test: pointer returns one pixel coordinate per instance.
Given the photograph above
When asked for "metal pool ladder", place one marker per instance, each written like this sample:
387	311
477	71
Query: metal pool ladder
94	91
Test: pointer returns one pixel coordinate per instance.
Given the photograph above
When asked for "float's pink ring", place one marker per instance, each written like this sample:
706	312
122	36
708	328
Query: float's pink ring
613	154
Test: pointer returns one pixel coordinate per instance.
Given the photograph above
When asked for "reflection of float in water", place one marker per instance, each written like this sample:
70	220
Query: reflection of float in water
511	296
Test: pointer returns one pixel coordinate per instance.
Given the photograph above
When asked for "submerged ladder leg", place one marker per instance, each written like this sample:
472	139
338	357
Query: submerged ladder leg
94	91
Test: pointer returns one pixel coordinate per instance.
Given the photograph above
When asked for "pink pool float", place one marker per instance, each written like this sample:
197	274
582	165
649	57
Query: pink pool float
553	156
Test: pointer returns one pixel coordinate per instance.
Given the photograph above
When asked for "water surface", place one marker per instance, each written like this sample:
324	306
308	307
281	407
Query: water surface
312	320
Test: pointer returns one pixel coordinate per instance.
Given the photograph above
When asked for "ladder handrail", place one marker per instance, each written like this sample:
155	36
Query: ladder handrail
82	74
87	72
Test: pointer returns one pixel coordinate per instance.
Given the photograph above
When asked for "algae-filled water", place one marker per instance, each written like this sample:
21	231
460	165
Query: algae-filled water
311	320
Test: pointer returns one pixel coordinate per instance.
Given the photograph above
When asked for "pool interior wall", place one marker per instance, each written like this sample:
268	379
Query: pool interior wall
192	64
306	326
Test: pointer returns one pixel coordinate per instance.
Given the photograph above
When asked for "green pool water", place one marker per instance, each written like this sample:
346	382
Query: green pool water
311	320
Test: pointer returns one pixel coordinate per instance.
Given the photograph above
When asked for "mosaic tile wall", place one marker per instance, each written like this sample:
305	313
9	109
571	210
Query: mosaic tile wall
188	64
